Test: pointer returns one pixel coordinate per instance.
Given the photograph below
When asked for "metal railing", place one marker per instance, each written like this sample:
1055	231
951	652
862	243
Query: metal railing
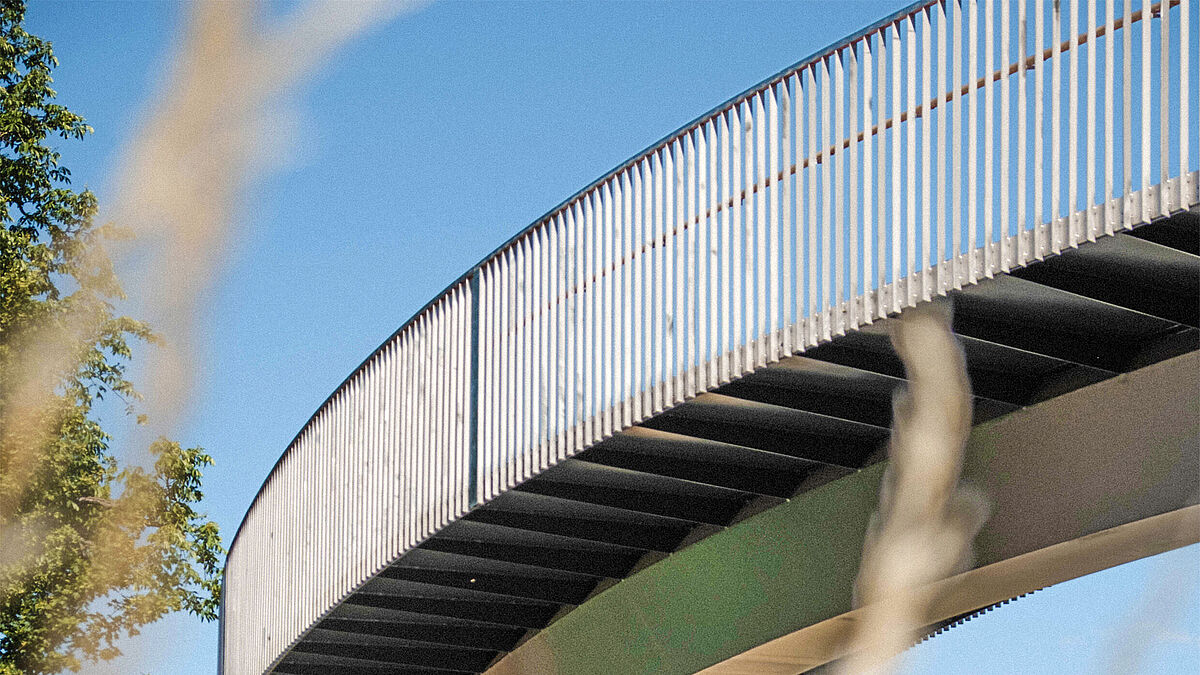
943	145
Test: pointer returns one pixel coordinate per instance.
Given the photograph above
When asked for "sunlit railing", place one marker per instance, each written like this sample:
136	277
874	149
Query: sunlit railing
948	143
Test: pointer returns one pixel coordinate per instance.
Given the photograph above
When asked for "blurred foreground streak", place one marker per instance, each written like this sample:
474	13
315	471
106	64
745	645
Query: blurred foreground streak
926	521
225	118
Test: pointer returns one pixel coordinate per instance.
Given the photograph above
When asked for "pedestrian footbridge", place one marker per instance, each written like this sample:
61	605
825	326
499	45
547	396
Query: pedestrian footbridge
646	433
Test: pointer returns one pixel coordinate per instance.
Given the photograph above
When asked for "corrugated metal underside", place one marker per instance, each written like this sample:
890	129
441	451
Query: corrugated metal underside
481	586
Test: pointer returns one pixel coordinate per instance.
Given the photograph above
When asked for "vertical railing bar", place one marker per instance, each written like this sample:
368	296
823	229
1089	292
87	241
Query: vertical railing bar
592	376
1005	141
1056	177
578	248
714	264
397	452
443	426
547	304
429	404
827	177
956	192
642	326
868	172
836	219
1186	191
542	316
565	320
927	126
1164	106
449	419
653	198
593	282
499	279
1109	135
462	423
704	204
800	248
993	228
726	197
508	392
340	487
786	134
1091	162
603	279
813	214
1041	244
465	427
852	254
1147	106
420	429
770	275
1075	166
678	289
1127	219
453	414
436	483
749	127
630	246
473	400
643	187
562	281
437	423
670	318
616	265
583	322
881	184
429	401
972	221
735	130
525	402
428	452
910	177
896	172
760	230
488	315
536	348
407	440
1023	255
608	292
377	457
689	261
490	450
659	306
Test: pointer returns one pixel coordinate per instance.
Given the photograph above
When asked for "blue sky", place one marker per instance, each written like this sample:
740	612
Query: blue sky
421	147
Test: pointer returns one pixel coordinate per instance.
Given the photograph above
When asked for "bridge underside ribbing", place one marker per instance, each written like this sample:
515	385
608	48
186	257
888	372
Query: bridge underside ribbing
486	583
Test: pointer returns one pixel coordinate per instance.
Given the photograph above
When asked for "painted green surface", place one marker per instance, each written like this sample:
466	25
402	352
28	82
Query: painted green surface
787	567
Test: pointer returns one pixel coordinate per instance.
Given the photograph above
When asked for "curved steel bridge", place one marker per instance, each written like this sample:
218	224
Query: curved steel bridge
696	345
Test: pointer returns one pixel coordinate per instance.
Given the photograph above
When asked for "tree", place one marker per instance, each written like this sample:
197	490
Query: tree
89	550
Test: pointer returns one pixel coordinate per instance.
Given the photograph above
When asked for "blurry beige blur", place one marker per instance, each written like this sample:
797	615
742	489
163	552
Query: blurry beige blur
220	122
926	520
